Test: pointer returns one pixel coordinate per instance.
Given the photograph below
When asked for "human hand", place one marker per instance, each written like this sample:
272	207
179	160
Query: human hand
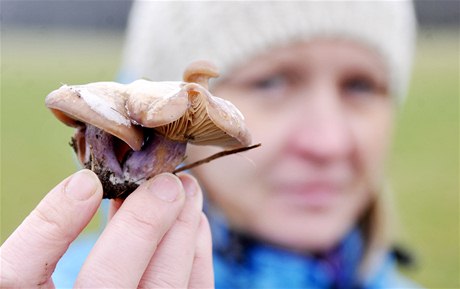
158	237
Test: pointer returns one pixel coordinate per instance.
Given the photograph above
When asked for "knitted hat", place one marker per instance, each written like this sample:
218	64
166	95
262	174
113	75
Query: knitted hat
164	37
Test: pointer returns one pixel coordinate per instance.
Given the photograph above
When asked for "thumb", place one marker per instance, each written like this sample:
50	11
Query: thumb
30	254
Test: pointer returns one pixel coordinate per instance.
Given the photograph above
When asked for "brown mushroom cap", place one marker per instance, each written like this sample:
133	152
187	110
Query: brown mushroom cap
154	104
216	121
188	113
101	104
224	123
181	111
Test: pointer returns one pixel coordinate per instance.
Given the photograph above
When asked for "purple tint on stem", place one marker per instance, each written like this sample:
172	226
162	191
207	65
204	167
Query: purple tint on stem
101	150
123	173
158	155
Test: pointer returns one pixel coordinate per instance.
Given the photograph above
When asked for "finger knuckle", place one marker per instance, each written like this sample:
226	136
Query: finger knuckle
140	225
48	222
189	217
163	277
190	221
99	274
8	276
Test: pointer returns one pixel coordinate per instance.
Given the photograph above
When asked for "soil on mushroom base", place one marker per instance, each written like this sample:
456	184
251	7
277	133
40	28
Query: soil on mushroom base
111	190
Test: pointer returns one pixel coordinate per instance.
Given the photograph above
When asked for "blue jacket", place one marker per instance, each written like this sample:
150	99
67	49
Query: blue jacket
242	262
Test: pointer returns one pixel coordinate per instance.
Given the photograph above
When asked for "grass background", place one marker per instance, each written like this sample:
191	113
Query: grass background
423	167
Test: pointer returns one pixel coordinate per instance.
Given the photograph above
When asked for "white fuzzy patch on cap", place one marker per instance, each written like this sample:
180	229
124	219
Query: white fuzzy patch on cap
163	89
103	106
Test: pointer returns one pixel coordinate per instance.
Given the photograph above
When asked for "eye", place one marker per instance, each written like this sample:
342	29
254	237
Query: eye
362	86
269	83
269	86
359	85
273	87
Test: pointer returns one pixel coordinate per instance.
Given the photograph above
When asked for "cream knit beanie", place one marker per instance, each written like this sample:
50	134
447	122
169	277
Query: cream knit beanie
164	37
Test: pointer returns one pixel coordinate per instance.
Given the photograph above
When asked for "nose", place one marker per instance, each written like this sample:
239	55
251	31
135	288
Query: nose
321	128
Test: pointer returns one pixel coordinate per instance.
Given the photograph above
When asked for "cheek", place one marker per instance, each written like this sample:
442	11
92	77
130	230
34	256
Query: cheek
230	183
373	133
267	126
237	184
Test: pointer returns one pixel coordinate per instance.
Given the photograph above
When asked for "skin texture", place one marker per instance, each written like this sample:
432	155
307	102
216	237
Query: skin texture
160	236
324	117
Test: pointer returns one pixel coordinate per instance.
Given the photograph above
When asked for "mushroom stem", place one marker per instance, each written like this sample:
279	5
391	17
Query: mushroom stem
215	156
158	154
100	152
122	170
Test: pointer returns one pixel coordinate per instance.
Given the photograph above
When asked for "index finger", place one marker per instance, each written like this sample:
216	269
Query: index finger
123	251
30	254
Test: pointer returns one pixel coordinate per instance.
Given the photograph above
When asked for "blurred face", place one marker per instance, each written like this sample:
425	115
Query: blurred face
323	115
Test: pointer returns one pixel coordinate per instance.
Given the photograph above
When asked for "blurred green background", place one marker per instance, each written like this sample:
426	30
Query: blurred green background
424	165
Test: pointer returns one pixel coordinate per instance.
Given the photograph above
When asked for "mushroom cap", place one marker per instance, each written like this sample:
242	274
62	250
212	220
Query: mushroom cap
154	104
101	104
224	124
181	111
186	112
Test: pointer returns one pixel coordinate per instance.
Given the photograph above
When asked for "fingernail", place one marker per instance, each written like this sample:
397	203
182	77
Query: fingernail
82	185
166	187
190	186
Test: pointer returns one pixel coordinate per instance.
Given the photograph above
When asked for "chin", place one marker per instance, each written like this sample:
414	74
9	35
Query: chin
317	241
311	234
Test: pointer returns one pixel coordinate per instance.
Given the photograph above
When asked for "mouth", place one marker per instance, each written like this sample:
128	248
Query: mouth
315	195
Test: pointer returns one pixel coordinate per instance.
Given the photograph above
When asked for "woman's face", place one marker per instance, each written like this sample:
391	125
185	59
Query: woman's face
323	115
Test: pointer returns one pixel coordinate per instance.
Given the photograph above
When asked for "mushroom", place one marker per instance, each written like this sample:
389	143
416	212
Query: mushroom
129	133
